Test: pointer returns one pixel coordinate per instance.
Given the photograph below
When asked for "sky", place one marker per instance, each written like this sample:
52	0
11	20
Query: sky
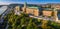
29	1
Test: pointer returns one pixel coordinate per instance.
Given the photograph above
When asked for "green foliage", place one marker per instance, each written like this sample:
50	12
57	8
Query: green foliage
23	21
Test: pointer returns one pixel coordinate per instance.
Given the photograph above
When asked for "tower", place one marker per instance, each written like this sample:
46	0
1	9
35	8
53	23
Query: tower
55	14
25	5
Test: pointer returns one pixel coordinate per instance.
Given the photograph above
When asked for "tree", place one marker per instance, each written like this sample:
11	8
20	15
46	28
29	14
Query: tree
23	21
44	24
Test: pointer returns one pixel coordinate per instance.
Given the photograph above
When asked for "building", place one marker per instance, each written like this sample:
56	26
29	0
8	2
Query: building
24	8
47	12
31	10
56	6
55	14
17	10
37	11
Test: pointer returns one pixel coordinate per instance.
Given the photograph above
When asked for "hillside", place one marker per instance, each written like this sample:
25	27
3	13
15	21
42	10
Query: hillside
23	21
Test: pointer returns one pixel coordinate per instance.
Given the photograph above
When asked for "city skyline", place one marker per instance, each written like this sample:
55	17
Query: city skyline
28	1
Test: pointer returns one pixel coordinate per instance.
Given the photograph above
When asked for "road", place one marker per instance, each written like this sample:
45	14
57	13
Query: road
43	18
3	8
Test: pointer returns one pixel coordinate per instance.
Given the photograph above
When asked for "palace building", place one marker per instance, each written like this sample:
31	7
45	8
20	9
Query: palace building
31	10
37	11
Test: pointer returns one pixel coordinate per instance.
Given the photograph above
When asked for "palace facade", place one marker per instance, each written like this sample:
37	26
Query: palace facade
37	11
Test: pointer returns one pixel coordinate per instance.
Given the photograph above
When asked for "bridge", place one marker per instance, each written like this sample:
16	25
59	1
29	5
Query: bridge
9	8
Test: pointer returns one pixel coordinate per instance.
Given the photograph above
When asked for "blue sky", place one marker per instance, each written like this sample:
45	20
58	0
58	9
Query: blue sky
30	1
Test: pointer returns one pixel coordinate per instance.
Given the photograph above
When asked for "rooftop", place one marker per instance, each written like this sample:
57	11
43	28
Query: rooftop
47	9
33	7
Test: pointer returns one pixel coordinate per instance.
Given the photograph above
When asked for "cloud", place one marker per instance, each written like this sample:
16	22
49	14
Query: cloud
4	3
